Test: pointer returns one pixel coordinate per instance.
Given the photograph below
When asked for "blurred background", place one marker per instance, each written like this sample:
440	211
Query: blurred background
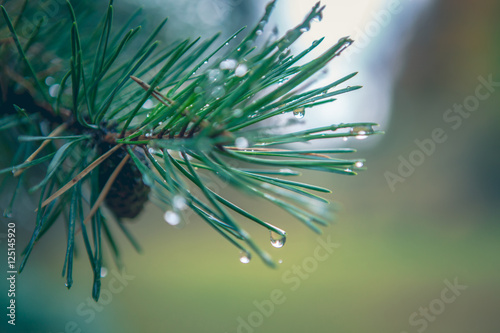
416	241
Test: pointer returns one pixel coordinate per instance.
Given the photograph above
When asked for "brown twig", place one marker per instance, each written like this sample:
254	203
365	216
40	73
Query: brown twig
82	174
58	130
106	189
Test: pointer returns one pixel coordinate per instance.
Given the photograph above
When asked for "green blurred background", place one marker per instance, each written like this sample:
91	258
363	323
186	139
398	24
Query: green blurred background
395	247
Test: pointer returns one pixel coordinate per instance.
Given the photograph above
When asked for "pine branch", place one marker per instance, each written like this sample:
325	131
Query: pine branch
153	122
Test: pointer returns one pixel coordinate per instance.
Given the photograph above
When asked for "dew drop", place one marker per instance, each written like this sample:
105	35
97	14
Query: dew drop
344	138
359	164
218	92
348	170
245	257
280	261
148	104
214	75
228	64
104	272
179	202
361	132
277	240
286	170
258	32
171	217
54	90
241	142
49	80
198	90
305	29
241	70
299	113
318	17
237	113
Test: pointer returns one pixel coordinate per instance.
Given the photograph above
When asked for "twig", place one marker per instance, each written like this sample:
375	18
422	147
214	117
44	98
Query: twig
58	130
82	174
106	189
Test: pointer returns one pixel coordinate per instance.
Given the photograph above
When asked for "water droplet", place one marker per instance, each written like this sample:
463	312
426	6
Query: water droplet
318	17
305	29
214	75
359	164
344	138
49	80
148	104
237	113
241	142
218	92
104	272
258	32
7	213
241	70
299	113
286	170
54	90
280	261
245	257
179	202
361	132
348	170
171	217
277	240
228	64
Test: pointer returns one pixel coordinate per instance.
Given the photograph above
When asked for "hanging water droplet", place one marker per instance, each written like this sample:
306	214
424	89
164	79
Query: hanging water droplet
54	90
359	164
104	272
148	104
171	217
277	240
318	17
245	257
241	142
214	75
361	132
241	70
228	64
258	32
49	80
299	113
218	92
237	113
179	202
305	29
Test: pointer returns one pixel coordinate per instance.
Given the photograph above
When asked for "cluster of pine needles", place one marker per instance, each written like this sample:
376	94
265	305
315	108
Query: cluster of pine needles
113	125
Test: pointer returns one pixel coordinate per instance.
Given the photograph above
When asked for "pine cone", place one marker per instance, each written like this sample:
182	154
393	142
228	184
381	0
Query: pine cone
128	194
